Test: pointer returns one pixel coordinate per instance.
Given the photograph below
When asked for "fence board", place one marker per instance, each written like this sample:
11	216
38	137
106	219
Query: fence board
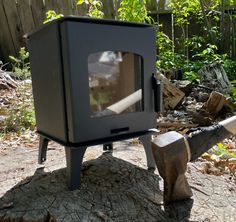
81	10
65	7
6	46
227	35
51	5
25	15
58	7
37	8
233	37
13	23
17	19
74	7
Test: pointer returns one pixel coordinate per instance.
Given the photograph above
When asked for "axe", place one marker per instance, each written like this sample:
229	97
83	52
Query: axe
172	151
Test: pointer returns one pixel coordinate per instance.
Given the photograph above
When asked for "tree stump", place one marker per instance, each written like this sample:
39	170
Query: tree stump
215	77
115	188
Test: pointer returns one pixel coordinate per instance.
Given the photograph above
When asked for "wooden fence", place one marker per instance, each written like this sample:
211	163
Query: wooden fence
18	17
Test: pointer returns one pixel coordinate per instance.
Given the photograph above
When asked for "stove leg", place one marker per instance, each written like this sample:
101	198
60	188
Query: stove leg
108	146
43	146
146	141
74	160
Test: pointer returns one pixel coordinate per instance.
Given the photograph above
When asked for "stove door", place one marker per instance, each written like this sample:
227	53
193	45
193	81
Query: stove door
115	83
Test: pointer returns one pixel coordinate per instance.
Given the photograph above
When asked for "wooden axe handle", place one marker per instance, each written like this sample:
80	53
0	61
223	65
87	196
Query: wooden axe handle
204	138
229	124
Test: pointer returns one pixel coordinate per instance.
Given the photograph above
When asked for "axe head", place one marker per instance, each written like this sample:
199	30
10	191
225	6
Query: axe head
171	157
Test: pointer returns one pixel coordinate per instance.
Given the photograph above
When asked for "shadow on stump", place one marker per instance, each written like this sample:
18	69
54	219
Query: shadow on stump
112	190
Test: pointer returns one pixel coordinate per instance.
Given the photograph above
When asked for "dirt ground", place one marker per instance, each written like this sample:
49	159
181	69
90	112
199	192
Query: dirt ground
115	187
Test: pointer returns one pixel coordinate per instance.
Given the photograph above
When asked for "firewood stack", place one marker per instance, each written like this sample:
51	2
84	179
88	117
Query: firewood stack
188	104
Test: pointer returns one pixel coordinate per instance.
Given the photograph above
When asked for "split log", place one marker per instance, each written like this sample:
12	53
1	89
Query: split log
215	103
214	76
185	86
172	96
6	82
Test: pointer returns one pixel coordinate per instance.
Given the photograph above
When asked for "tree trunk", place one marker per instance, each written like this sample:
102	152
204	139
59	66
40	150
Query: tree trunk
207	24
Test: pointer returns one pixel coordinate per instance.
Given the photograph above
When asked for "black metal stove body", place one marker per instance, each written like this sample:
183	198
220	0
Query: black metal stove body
92	84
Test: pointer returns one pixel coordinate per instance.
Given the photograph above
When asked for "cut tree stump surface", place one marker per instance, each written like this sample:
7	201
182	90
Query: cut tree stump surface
115	187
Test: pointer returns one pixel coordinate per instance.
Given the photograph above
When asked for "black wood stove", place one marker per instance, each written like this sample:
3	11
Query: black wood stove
93	83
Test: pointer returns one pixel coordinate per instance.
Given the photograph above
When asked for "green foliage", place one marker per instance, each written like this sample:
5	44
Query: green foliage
208	55
230	68
183	10
95	7
20	65
200	54
168	59
21	116
195	44
191	75
198	60
133	10
201	50
19	120
233	94
222	149
51	15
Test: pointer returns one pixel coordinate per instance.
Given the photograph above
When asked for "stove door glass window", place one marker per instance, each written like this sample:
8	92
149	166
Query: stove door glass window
115	83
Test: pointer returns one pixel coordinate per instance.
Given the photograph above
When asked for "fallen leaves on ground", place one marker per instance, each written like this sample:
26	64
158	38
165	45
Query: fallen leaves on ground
11	100
219	164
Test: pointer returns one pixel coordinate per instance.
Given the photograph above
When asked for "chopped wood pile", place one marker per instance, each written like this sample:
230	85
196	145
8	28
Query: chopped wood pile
204	103
190	105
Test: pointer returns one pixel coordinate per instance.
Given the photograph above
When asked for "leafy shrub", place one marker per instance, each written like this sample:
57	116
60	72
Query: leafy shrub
233	94
208	55
21	115
51	15
133	10
20	65
167	58
95	7
222	149
230	68
19	120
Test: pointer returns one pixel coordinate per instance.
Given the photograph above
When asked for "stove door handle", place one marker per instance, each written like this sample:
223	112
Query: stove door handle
157	92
